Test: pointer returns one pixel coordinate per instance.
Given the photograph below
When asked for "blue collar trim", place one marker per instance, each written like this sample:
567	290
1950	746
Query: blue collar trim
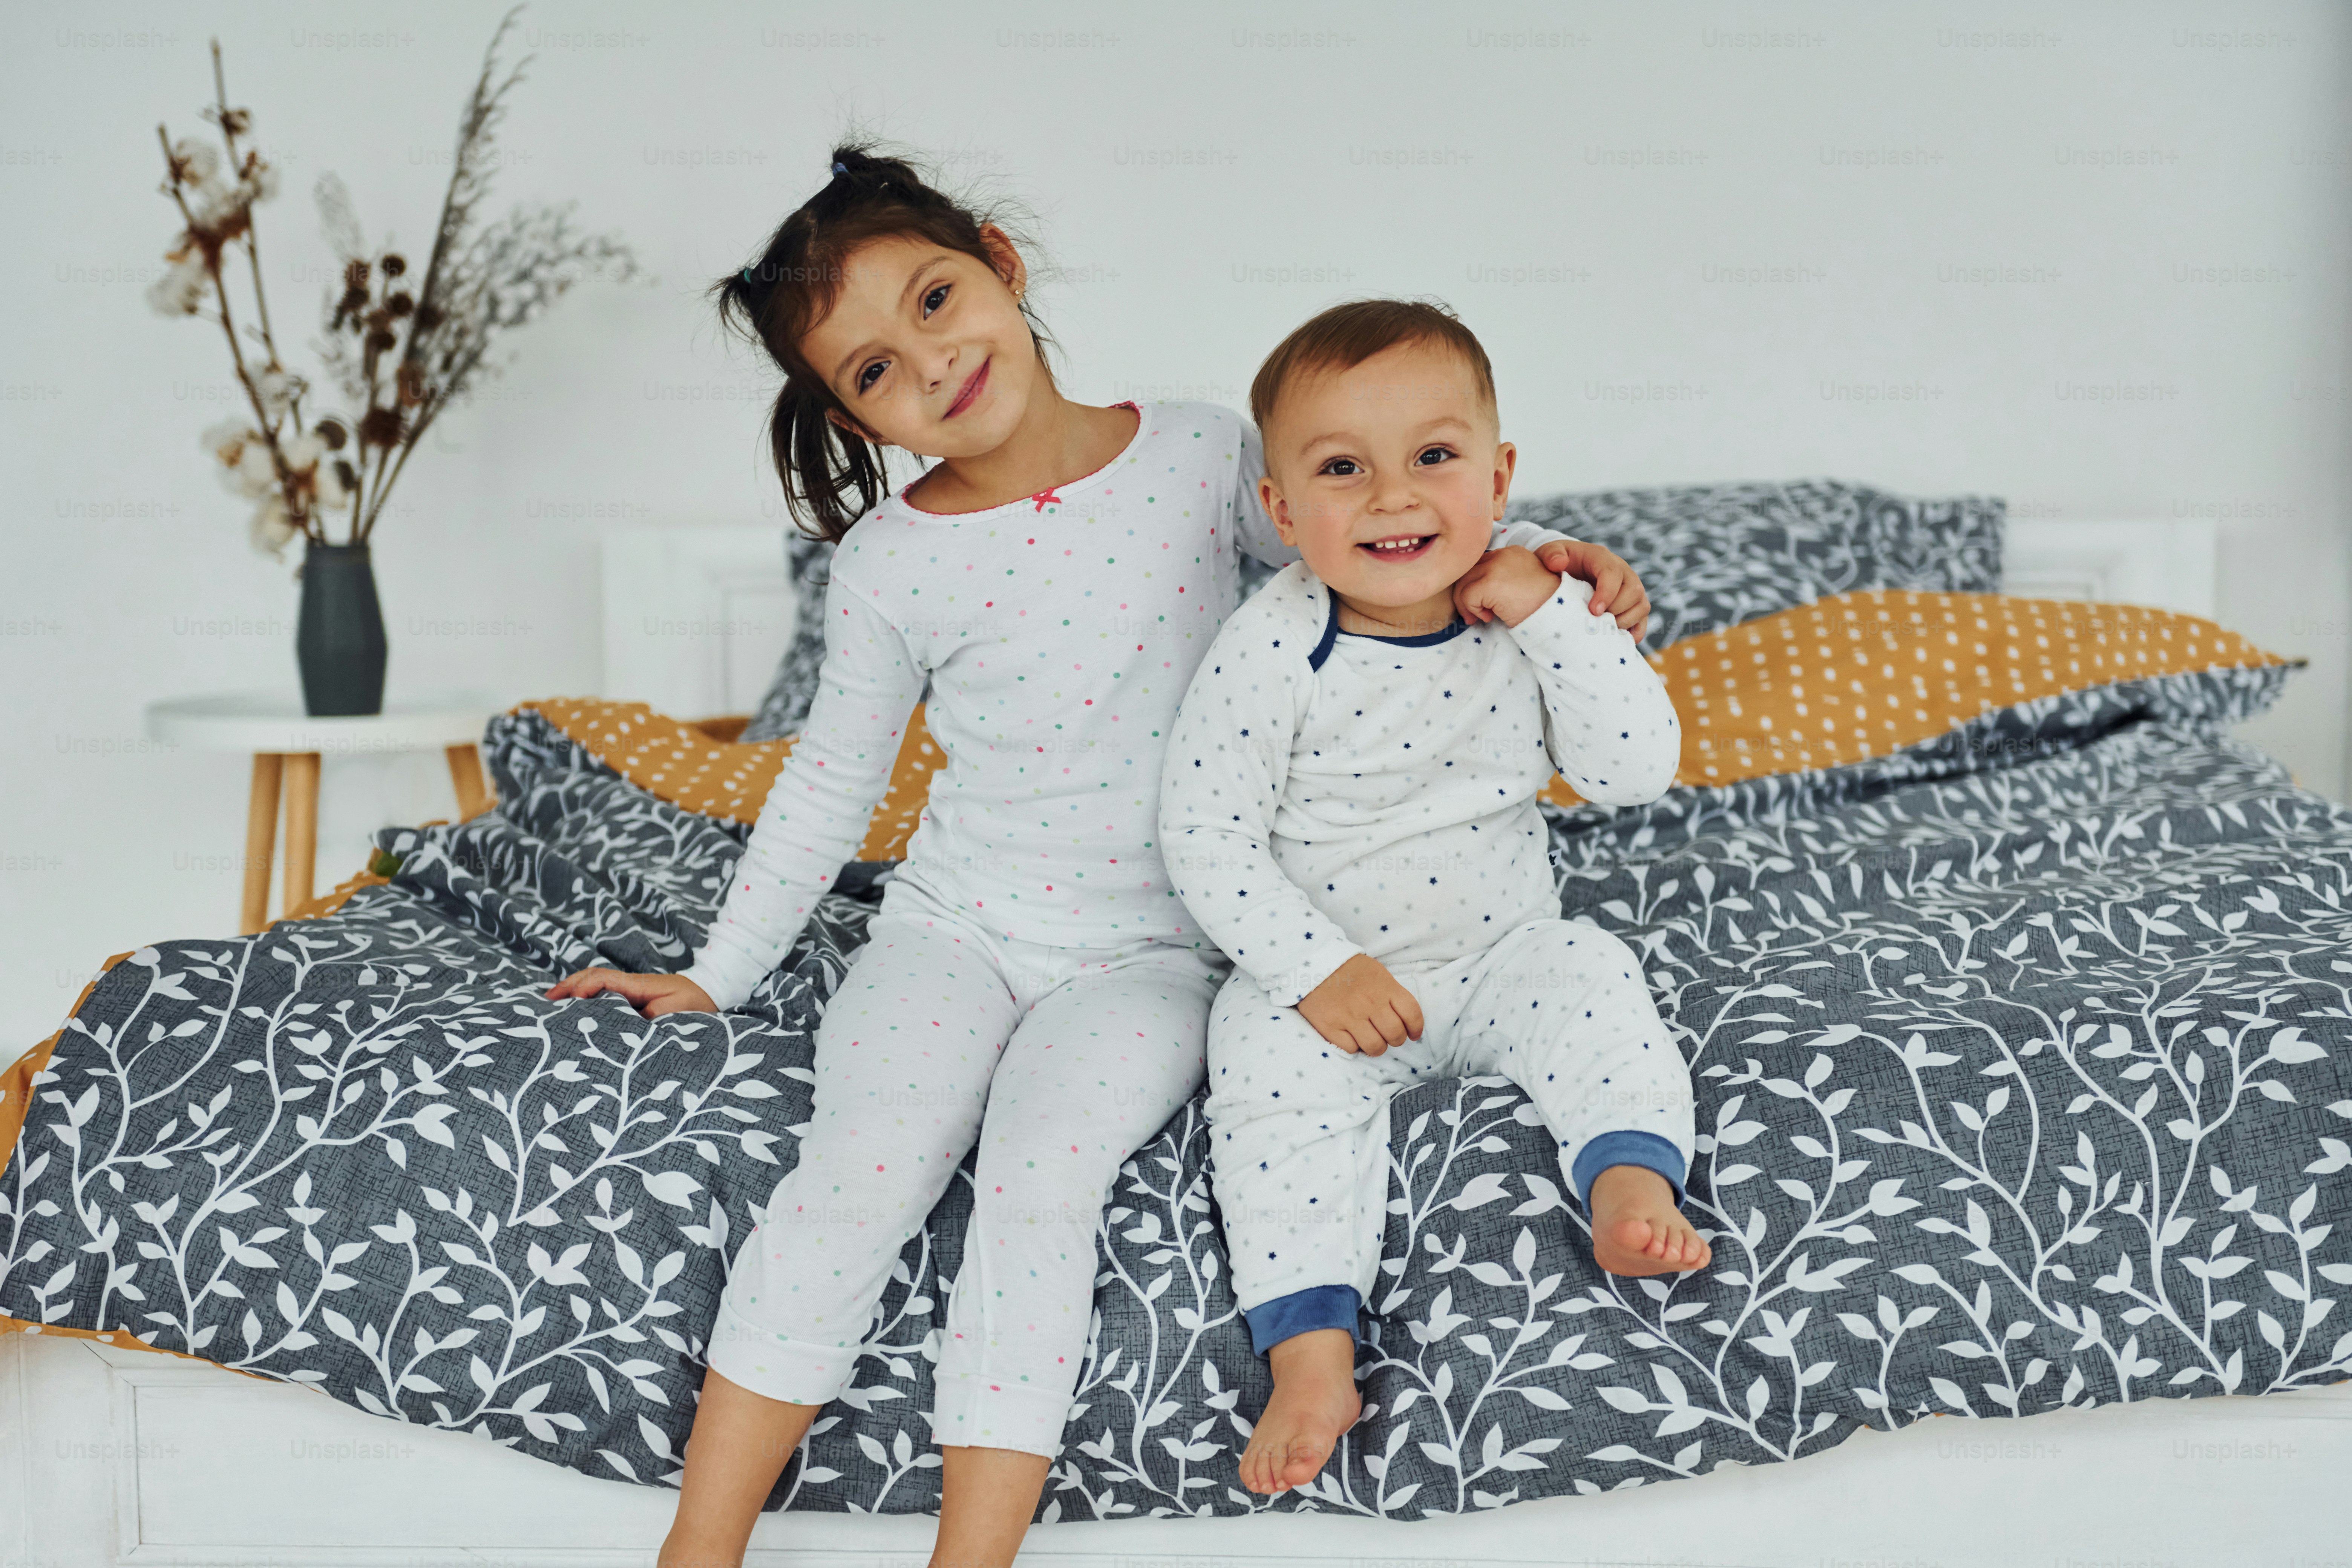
1331	634
1330	631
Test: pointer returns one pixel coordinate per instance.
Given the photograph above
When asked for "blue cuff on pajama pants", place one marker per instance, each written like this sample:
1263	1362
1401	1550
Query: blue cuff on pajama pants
1337	1305
1626	1148
1302	1311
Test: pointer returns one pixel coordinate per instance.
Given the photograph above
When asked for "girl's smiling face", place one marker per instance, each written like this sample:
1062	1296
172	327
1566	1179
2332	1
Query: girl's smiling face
926	348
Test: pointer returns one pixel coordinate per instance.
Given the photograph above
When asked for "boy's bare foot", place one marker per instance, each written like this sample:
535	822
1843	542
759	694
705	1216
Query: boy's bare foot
1314	1401
1637	1229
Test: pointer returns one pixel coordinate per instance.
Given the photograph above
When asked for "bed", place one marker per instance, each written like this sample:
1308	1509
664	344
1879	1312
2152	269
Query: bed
2018	1050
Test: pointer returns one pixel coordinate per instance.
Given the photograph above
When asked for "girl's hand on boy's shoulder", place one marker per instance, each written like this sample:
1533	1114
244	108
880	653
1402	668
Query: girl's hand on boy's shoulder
1362	1007
1616	590
651	995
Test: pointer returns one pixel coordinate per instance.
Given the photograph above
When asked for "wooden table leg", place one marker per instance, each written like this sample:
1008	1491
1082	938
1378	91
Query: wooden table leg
260	841
466	773
302	826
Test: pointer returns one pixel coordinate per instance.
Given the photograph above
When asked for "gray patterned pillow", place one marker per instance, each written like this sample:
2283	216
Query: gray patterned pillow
1715	555
1711	555
785	707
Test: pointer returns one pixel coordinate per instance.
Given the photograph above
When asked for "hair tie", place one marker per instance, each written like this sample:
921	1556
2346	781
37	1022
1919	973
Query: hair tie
839	167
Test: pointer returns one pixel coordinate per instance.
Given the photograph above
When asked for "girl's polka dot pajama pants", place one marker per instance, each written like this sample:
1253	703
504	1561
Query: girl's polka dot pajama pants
1058	1063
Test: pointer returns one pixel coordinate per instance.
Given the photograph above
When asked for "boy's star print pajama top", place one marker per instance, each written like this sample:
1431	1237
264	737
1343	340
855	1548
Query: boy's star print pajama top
1327	794
1030	984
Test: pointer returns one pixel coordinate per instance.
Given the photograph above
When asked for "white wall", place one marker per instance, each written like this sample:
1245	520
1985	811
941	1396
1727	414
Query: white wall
1587	185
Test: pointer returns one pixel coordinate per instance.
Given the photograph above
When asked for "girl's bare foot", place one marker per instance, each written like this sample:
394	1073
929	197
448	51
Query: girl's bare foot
1637	1229
1314	1401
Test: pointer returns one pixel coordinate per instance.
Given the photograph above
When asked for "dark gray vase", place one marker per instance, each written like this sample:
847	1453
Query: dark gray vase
339	635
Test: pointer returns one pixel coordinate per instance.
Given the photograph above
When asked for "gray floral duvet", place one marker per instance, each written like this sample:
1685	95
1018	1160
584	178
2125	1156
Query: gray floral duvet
2021	1058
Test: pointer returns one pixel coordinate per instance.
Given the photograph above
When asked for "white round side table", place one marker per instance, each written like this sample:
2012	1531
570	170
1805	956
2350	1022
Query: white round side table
286	743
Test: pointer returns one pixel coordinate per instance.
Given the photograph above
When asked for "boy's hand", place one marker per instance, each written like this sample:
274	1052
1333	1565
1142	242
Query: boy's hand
650	995
1616	591
1360	1006
1507	584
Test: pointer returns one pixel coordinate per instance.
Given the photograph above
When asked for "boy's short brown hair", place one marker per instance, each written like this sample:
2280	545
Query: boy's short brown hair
1346	335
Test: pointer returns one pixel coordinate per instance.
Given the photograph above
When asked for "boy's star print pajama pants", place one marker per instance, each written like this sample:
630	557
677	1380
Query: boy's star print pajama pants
1299	1128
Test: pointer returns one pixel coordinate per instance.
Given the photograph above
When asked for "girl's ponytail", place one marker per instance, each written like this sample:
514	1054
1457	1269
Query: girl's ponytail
831	475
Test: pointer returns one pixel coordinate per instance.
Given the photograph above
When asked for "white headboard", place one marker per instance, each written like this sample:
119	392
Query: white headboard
2167	566
696	615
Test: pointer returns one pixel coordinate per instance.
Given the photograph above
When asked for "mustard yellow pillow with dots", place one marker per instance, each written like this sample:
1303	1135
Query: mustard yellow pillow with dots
692	767
1852	677
1860	675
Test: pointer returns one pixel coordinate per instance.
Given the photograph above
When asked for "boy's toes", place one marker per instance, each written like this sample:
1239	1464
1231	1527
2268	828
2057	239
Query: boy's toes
1637	1246
1302	1424
1268	1468
1637	1238
1303	1463
1269	1471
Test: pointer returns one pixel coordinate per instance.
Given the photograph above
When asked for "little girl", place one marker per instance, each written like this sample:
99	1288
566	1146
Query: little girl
1031	982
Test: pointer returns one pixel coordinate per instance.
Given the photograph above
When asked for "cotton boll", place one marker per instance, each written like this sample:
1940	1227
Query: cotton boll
225	441
255	474
278	387
244	458
214	202
316	474
303	451
181	291
199	160
272	527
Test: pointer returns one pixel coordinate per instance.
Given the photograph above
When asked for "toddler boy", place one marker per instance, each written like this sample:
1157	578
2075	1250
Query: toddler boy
1348	809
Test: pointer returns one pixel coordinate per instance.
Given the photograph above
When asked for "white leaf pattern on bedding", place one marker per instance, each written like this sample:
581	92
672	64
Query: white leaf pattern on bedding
2021	1071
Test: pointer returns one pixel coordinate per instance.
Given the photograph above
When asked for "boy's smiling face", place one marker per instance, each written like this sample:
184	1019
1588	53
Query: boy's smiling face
1388	478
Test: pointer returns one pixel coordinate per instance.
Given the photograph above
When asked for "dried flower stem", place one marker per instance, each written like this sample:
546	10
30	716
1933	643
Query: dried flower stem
236	354
466	184
401	352
252	233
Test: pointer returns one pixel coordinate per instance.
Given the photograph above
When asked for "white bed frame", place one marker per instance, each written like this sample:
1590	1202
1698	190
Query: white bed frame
117	1456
